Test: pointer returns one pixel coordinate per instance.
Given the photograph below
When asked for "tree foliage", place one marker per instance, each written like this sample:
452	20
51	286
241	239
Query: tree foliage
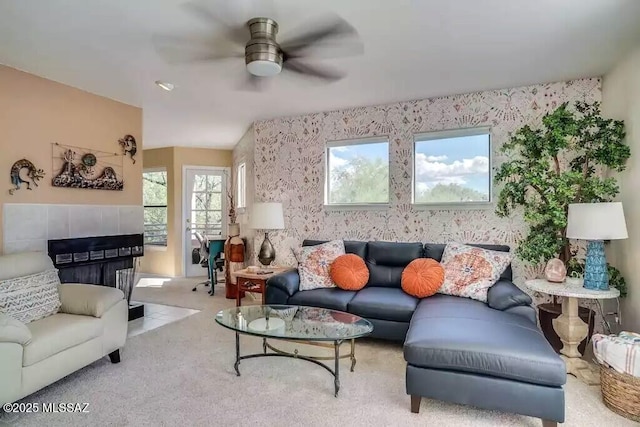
154	194
449	193
565	161
362	180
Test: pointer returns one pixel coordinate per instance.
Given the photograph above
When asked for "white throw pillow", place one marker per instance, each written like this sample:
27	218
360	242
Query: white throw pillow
314	263
32	297
470	271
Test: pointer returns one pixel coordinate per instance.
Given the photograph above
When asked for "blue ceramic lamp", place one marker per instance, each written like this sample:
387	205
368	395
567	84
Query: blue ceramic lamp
596	222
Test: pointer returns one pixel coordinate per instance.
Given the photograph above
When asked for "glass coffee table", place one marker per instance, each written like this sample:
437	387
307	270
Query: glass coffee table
308	325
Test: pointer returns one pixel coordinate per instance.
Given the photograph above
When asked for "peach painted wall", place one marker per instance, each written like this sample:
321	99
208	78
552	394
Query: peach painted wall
169	261
35	112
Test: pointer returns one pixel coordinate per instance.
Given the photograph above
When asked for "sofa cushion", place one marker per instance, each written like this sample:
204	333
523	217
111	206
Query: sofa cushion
314	263
383	303
422	277
460	334
350	246
331	298
31	297
470	271
57	333
349	272
387	260
435	251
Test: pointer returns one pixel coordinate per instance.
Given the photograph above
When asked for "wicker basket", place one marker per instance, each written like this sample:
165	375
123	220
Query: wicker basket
620	392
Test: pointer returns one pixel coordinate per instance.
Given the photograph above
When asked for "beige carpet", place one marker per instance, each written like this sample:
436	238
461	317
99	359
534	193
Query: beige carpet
182	374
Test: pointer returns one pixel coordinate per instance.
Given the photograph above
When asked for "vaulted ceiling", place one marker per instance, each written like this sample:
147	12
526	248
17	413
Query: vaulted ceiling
412	49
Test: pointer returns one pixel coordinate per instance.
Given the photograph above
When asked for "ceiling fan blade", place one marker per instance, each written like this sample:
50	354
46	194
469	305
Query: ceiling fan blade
183	49
315	71
253	83
321	31
218	14
325	51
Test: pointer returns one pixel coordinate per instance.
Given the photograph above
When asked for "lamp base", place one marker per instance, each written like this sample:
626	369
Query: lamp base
596	275
267	252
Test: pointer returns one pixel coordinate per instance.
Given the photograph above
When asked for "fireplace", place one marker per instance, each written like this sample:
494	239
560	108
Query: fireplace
97	260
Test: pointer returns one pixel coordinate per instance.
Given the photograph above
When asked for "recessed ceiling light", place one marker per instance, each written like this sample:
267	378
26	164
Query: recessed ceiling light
165	85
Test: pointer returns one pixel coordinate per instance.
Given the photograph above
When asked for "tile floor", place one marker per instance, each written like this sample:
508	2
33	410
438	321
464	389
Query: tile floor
156	315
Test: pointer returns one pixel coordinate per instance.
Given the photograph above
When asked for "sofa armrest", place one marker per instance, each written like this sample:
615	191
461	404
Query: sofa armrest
504	294
13	330
88	300
288	282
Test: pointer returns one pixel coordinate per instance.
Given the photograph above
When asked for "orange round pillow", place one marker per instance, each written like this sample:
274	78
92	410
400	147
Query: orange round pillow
349	272
422	277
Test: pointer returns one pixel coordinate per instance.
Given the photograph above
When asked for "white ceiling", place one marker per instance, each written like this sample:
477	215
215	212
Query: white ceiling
413	49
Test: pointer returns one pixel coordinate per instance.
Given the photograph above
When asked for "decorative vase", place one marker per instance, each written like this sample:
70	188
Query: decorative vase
234	259
555	271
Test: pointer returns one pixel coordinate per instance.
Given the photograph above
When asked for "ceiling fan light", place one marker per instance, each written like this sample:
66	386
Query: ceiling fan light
264	68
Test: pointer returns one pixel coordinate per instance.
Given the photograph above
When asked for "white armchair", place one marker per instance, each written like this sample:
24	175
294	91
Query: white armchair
91	323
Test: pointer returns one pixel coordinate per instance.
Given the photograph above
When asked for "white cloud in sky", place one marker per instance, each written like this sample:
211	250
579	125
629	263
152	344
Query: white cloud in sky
433	169
434	158
335	161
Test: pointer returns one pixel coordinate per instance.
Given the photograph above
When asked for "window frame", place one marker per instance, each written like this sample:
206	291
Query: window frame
241	186
158	246
446	134
327	176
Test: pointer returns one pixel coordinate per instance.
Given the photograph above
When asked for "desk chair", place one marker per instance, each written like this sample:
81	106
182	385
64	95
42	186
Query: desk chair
210	257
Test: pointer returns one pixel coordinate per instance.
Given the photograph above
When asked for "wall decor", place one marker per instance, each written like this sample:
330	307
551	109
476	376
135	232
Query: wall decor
83	168
33	175
129	146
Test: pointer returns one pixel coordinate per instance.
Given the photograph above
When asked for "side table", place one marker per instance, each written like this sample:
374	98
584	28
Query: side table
254	282
569	327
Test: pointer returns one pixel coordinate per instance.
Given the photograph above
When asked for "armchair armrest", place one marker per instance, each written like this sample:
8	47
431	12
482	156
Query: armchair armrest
288	282
13	330
88	300
504	295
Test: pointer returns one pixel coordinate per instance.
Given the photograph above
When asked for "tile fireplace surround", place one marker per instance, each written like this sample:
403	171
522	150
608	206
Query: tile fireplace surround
28	227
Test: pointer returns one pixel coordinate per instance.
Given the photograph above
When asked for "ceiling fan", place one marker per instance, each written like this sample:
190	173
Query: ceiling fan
255	40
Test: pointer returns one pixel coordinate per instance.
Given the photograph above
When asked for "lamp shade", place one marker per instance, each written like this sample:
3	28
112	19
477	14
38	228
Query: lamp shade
596	221
266	216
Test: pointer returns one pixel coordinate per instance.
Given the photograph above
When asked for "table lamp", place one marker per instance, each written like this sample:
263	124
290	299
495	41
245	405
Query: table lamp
596	222
266	216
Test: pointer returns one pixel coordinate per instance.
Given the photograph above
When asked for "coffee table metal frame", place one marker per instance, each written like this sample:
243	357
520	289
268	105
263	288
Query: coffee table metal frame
335	372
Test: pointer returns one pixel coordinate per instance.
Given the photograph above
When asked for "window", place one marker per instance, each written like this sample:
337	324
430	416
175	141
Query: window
357	172
154	198
452	167
241	179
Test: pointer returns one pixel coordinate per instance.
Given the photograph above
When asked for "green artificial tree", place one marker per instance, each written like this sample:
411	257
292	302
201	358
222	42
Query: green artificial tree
567	160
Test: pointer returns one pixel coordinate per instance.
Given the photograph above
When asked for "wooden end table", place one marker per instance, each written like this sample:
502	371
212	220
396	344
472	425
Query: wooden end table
570	327
254	282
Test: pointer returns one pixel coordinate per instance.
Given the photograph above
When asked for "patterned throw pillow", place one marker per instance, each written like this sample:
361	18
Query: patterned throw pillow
31	297
314	263
470	272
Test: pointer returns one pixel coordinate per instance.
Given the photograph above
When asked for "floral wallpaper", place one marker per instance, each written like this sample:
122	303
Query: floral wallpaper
243	152
289	167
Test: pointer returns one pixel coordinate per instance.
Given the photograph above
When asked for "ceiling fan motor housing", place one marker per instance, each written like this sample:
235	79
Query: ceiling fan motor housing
262	53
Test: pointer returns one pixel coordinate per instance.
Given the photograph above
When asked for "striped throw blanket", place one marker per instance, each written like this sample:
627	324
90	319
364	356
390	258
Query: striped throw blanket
621	352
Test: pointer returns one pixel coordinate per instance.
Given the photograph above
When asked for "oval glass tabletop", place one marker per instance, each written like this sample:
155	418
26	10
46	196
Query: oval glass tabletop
294	322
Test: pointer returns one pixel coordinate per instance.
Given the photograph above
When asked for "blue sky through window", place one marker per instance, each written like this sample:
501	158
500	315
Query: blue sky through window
460	160
340	156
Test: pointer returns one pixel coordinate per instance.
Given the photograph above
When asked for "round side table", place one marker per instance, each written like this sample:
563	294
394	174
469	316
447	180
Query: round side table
569	327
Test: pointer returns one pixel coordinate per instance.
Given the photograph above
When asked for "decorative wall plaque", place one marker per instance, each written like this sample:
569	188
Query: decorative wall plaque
83	168
32	177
